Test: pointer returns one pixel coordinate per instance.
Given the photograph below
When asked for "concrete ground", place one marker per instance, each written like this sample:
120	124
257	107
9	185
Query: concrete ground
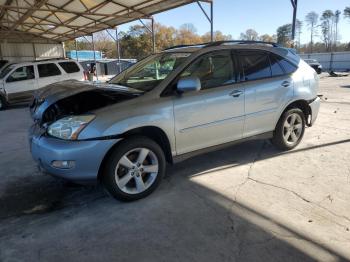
246	203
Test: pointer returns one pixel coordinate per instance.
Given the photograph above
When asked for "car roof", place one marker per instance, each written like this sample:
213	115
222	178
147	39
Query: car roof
288	53
43	61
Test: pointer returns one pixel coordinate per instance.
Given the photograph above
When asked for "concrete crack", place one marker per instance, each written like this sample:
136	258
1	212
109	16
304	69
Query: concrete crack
257	157
306	200
283	188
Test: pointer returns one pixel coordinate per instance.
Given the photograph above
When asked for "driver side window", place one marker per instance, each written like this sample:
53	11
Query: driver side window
213	70
22	73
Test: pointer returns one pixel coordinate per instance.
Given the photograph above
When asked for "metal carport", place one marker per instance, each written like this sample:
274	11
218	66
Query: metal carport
63	20
57	21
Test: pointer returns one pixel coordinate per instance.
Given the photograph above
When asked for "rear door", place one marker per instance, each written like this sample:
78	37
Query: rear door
20	84
48	73
215	114
267	87
72	70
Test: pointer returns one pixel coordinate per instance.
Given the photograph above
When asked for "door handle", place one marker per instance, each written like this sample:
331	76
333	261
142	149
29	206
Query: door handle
285	83
236	93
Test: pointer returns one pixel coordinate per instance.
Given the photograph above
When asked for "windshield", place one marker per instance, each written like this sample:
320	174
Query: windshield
6	70
148	73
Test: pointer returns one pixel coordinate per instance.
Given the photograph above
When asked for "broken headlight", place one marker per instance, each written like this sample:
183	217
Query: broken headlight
69	127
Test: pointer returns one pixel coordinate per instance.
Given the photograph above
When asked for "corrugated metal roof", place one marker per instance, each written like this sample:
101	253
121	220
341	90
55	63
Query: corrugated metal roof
61	20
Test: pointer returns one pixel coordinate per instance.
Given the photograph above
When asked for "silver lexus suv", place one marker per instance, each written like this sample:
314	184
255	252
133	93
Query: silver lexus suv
170	106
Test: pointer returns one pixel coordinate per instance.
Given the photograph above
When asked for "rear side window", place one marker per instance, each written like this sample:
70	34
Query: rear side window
213	70
49	69
287	66
276	68
255	65
21	73
69	67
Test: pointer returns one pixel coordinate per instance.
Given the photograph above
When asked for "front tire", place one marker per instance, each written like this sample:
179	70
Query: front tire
134	169
289	130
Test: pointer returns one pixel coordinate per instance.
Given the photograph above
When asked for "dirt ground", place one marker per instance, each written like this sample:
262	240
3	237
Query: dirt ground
246	203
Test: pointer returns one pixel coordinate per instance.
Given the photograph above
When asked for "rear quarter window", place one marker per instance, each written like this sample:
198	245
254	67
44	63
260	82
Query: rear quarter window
287	66
49	69
276	68
69	67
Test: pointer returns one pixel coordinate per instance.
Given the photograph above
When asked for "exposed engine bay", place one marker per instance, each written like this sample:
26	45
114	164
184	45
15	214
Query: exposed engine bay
81	103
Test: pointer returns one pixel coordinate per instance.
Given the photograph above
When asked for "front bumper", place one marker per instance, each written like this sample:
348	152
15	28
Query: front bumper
315	107
87	156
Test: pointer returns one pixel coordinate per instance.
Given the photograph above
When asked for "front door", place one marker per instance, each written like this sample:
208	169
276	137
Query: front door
20	84
215	114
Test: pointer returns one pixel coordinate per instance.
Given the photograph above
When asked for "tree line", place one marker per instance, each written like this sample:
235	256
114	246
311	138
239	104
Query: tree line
136	42
323	26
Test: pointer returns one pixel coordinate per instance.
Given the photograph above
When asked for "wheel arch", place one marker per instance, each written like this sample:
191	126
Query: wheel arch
303	105
152	132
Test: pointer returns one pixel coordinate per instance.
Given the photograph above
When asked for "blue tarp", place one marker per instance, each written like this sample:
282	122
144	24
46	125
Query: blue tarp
84	54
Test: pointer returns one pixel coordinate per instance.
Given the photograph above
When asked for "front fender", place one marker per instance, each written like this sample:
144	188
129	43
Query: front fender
116	122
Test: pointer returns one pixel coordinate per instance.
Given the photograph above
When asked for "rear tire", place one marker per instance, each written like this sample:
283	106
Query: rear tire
289	130
134	169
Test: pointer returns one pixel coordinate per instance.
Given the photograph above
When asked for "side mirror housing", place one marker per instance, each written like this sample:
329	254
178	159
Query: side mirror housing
187	84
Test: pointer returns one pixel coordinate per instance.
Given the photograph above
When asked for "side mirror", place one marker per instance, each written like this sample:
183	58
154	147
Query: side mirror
187	84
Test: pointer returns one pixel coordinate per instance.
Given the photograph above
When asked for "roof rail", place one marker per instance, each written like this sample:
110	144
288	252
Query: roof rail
241	42
218	43
191	45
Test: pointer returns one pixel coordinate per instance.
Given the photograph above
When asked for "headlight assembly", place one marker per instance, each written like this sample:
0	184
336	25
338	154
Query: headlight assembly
69	127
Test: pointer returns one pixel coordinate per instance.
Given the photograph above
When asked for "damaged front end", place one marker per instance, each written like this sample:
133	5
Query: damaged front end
67	106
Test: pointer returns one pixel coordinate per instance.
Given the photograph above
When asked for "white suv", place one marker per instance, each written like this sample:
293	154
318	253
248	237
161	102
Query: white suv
18	81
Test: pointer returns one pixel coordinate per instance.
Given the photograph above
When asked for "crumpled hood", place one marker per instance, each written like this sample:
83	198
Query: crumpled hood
57	92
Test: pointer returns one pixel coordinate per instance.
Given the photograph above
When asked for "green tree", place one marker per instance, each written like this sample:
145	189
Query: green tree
327	19
312	20
336	22
284	35
268	38
347	12
249	35
298	30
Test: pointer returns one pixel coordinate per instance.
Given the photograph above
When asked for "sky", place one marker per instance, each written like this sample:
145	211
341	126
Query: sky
265	16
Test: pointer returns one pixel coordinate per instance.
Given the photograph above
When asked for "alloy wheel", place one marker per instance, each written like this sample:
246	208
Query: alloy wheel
292	128
136	170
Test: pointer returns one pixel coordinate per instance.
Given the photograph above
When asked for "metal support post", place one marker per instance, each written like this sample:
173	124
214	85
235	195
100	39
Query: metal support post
118	48
151	30
211	22
153	37
295	7
210	19
93	47
76	47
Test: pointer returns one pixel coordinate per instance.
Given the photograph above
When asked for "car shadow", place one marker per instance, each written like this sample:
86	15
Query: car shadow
181	221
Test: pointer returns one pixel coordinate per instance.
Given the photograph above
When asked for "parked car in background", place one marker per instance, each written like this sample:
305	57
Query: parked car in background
18	81
197	99
314	64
